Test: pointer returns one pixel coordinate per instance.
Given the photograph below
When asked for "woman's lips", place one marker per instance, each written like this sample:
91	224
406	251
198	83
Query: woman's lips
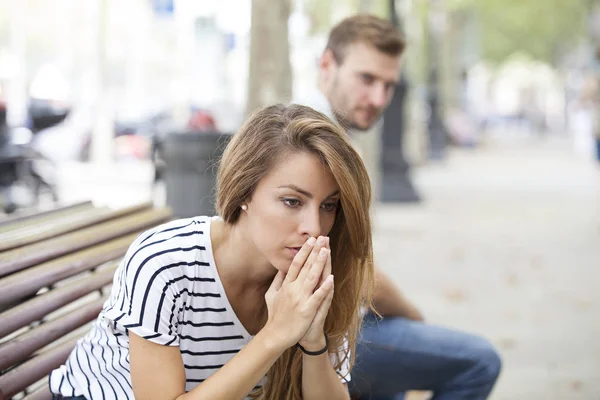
293	250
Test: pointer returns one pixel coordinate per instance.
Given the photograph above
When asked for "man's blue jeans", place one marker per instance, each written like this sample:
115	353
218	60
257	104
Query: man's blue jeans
395	355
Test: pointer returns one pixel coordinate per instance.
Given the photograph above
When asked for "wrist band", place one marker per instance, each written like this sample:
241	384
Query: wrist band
316	353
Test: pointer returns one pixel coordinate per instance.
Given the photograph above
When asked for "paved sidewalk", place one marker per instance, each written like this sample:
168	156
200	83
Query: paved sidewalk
507	244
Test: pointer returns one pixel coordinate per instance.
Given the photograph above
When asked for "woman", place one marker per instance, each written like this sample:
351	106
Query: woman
243	304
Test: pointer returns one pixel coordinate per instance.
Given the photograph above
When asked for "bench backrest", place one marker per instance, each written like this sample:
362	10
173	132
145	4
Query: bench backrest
56	269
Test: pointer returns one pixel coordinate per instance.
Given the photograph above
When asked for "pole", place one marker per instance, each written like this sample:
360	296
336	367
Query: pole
396	185
436	128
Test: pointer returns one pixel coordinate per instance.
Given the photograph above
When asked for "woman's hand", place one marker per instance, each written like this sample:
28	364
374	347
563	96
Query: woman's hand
314	339
292	300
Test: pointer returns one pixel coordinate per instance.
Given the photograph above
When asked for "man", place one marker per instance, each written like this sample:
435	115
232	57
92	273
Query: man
358	72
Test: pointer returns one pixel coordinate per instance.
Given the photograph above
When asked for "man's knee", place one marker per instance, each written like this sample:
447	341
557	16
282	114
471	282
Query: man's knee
488	360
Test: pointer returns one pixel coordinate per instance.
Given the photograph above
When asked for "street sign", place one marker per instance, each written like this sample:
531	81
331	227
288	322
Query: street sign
163	7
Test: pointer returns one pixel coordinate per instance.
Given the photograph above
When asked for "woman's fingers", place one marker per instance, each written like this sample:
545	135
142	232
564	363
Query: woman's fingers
275	286
277	282
322	292
300	260
313	275
323	309
305	269
327	269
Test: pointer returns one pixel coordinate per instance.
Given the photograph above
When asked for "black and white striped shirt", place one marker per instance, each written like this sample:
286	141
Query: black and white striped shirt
167	290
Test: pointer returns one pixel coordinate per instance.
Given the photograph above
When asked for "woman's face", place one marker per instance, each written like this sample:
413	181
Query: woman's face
297	199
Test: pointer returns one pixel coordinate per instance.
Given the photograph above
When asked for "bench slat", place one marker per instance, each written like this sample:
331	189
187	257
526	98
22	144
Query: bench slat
21	237
21	258
35	230
12	221
28	373
29	281
21	347
42	393
35	309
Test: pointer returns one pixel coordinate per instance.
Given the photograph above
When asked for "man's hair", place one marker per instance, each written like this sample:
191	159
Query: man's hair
367	29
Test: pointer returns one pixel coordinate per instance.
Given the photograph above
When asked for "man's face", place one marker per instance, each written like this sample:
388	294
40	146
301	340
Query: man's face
361	87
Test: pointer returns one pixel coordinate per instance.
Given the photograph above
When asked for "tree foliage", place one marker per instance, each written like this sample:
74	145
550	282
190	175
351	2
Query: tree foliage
543	29
323	14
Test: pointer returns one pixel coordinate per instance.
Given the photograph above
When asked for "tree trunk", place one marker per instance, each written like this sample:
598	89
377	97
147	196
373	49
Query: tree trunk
270	75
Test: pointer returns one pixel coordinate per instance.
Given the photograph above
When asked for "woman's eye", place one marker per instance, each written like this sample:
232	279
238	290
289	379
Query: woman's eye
330	206
291	202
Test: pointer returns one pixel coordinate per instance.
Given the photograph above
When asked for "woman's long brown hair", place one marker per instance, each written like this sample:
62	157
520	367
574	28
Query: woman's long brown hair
270	134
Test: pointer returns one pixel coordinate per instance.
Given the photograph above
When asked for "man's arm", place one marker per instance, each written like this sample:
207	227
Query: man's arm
389	300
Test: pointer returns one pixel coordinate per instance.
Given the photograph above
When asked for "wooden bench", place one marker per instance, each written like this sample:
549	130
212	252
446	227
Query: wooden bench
56	269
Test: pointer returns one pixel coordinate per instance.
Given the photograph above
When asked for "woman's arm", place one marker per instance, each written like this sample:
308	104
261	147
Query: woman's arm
319	379
157	371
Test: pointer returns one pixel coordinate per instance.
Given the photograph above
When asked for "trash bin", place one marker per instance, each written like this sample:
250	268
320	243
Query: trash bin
191	162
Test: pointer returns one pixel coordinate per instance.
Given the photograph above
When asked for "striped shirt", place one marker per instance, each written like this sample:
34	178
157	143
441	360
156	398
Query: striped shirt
166	290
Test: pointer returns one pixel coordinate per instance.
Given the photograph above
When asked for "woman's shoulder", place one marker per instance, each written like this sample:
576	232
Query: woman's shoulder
179	238
175	229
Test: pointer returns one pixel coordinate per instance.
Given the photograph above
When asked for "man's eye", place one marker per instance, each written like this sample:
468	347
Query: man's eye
291	202
367	78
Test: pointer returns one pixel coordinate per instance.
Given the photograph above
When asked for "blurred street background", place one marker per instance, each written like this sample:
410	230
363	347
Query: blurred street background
496	229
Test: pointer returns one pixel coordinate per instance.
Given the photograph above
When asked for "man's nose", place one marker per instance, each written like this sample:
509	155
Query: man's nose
379	95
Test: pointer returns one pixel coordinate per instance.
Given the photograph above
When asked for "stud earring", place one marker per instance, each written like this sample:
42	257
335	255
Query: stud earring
244	207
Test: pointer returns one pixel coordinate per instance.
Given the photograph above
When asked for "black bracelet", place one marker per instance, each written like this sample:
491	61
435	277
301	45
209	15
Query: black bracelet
316	353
